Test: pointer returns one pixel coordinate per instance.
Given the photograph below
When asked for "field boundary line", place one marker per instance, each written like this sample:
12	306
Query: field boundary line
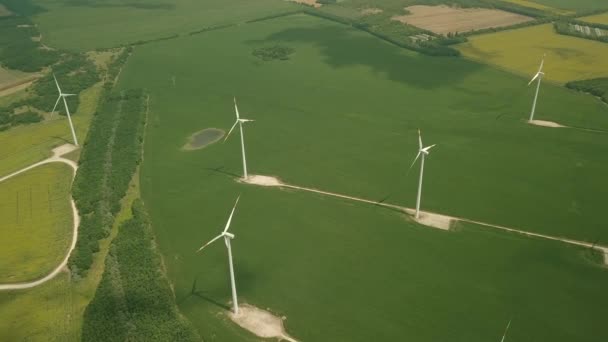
57	157
600	248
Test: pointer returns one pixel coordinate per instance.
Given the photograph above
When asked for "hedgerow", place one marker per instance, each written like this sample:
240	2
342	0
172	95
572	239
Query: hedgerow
109	158
134	301
597	87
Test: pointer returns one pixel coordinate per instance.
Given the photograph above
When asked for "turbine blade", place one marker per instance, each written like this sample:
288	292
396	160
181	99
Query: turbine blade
232	129
231	214
247	120
210	242
236	109
542	63
534	78
415	159
506	330
57	83
56	103
419	140
426	149
66	95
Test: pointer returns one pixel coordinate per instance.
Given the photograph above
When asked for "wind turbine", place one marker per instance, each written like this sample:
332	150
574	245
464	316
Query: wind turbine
240	122
227	237
422	151
539	75
506	330
63	95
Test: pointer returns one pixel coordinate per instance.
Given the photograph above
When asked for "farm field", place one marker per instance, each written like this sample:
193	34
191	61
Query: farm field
10	78
598	19
85	26
520	51
367	266
36	227
4	12
578	5
445	19
532	4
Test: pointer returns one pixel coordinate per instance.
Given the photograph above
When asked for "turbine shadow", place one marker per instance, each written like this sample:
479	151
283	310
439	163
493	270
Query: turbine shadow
220	170
201	294
62	139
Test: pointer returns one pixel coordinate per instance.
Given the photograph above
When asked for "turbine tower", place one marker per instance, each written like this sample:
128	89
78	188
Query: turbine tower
539	75
422	151
227	237
240	122
63	95
506	330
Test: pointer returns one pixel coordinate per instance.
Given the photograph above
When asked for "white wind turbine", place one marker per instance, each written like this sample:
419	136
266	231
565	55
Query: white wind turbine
240	122
227	237
506	330
422	151
539	75
63	95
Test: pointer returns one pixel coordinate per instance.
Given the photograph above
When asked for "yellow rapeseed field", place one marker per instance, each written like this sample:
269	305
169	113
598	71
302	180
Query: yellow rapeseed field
520	51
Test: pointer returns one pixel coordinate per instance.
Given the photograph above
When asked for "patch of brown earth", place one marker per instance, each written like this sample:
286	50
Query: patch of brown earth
370	11
312	3
260	322
445	19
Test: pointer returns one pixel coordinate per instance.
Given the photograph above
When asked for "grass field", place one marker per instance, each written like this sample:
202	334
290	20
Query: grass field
578	5
85	27
9	78
36	226
532	4
25	145
568	58
54	311
598	18
341	115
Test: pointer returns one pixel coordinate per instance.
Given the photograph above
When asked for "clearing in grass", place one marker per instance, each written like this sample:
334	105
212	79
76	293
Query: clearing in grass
520	51
36	227
445	19
418	283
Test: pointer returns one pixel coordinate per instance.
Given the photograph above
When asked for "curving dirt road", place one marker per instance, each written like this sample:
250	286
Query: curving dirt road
58	152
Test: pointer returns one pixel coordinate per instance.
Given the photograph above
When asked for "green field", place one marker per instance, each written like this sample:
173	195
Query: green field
36	226
25	145
341	115
575	5
84	25
598	18
520	51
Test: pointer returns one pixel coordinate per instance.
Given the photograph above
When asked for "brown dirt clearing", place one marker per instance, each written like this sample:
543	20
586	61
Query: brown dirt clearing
260	322
312	3
370	11
444	19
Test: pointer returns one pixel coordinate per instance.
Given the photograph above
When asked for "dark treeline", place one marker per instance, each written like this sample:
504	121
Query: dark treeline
597	87
108	160
8	119
393	32
17	49
134	301
565	27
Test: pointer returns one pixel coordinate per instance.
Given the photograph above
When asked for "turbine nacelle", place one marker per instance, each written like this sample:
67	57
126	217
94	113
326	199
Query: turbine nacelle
225	233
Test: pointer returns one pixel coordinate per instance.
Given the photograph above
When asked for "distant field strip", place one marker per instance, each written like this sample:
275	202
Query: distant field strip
568	58
532	4
36	227
597	19
444	19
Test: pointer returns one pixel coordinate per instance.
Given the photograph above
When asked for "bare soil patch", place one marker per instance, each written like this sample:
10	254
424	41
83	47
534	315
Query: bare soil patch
544	123
312	3
203	138
445	19
263	180
260	322
370	11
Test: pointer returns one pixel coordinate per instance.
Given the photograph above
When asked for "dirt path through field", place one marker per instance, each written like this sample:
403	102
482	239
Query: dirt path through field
57	157
427	218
